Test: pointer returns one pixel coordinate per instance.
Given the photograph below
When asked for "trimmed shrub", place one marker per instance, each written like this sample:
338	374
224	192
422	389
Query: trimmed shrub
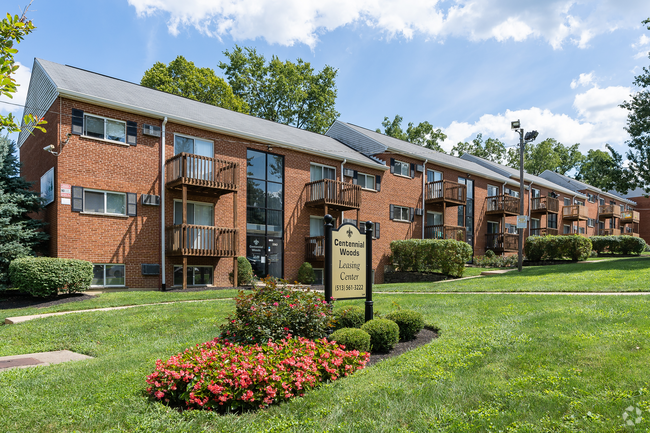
494	261
489	254
618	244
350	317
384	334
48	276
275	311
306	274
226	377
244	272
351	339
427	255
573	247
409	322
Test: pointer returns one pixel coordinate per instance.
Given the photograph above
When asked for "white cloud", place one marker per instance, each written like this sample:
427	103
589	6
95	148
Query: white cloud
599	120
643	45
583	80
288	22
22	77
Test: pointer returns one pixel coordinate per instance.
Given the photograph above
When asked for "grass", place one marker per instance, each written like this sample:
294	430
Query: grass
615	275
511	364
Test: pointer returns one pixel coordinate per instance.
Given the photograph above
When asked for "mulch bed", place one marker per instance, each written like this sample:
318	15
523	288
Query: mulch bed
424	337
13	299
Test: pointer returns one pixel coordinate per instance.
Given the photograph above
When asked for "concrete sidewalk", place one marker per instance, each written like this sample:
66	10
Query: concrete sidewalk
40	359
519	293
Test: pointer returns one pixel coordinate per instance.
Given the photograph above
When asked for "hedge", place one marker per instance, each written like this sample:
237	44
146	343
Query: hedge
574	247
427	255
47	276
384	334
618	244
352	339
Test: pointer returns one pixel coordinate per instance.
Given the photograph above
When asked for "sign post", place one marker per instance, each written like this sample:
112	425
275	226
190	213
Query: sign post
348	263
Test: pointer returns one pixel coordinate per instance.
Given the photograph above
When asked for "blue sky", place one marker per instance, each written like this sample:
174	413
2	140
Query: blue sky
466	66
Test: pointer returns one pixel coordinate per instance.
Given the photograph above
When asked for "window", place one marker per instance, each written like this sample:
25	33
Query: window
602	202
104	202
400	213
402	168
622	208
551	221
581	230
108	275
534	223
492	191
195	146
511	192
536	193
493	227
591	222
567	201
366	181
434	176
105	129
579	202
511	228
196	275
320	172
567	230
591	198
200	214
434	218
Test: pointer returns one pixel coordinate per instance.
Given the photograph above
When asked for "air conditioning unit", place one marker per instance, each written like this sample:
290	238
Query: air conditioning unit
150	269
348	172
150	200
419	168
418	211
151	130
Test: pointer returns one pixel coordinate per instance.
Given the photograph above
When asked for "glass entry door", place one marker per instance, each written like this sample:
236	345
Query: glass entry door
468	211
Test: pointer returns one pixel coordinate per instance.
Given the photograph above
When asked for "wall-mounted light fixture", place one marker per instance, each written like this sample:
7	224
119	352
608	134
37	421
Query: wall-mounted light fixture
269	148
50	148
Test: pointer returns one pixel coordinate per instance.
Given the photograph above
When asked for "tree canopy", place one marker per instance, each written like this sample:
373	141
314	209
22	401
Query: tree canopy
604	170
638	126
284	92
423	134
491	149
183	78
549	154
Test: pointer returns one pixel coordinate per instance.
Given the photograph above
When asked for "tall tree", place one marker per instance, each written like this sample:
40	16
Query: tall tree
19	234
423	134
284	92
549	154
604	170
638	126
491	149
183	78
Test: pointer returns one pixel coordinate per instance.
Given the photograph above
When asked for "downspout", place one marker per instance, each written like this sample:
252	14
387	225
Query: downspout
162	204
342	212
597	223
424	207
530	200
578	208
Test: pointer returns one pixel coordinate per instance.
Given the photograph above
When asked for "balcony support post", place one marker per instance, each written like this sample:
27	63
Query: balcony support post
235	263
184	235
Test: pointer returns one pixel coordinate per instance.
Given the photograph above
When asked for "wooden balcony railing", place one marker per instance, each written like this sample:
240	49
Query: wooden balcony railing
205	241
544	204
574	212
502	242
544	231
629	216
446	191
609	211
333	193
609	232
445	232
315	248
629	231
201	173
502	204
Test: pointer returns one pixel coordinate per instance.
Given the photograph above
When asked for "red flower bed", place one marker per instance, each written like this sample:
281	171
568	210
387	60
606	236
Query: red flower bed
222	376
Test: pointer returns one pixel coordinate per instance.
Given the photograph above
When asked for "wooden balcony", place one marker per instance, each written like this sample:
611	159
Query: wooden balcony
446	191
502	242
333	194
610	232
629	231
502	205
201	241
574	212
544	205
445	232
315	249
629	216
544	231
201	174
609	211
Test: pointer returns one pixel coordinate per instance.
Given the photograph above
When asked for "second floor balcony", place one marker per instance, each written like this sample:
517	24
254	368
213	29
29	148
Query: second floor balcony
629	216
333	194
445	232
609	211
541	205
201	174
446	191
574	212
201	241
503	205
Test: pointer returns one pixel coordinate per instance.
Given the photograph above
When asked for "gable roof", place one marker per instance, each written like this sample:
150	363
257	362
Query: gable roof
576	185
514	174
371	143
82	85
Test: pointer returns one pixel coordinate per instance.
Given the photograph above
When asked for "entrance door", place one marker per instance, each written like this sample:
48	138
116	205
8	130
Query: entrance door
466	213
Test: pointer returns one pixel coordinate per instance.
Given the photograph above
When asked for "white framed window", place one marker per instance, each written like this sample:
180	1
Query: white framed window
511	192
581	230
200	214
196	275
567	229
434	176
579	202
107	275
320	172
591	198
492	191
534	223
493	227
590	222
402	168
401	213
567	201
193	145
366	181
602	202
622	207
536	193
434	218
318	273
104	202
104	128
511	228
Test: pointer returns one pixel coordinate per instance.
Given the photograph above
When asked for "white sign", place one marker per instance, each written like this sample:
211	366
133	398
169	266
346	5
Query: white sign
348	263
47	187
66	190
65	201
522	221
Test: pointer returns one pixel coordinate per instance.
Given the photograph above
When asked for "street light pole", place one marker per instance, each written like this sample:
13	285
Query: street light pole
520	259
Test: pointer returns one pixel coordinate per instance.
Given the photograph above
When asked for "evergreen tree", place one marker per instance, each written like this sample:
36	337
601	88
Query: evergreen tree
20	235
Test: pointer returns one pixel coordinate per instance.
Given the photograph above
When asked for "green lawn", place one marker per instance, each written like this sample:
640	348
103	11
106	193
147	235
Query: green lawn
511	364
615	275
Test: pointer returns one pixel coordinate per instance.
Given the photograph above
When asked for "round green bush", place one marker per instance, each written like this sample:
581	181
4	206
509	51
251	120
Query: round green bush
244	272
47	276
410	323
306	274
352	339
384	334
490	254
350	317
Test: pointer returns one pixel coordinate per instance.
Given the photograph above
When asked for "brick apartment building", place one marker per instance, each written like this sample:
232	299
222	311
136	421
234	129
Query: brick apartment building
158	190
642	209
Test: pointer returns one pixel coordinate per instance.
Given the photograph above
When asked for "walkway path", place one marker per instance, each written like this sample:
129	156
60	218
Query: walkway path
43	358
